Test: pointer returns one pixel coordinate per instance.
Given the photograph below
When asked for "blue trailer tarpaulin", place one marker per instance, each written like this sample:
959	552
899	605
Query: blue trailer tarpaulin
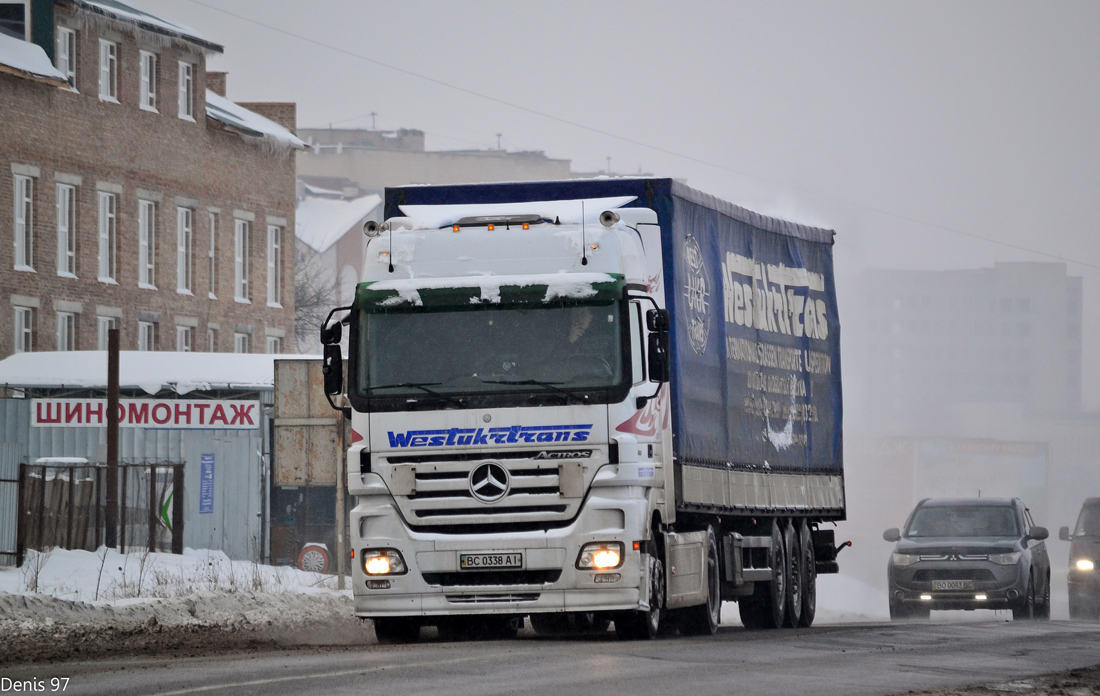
755	335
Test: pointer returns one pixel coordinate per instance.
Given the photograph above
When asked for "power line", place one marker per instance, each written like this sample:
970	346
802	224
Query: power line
631	141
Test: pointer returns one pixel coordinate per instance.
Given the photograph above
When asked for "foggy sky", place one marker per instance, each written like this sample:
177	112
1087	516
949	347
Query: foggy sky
883	121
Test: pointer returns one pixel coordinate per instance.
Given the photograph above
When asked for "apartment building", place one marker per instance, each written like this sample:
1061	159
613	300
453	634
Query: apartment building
133	193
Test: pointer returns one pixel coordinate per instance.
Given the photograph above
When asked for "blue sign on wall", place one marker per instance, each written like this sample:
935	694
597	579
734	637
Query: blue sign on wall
206	484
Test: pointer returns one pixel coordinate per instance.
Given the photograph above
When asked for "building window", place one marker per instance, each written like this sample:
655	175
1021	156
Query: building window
183	339
66	230
24	326
274	345
24	223
183	250
102	326
147	244
108	70
240	261
211	340
241	343
148	81
65	54
66	331
187	91
14	19
147	336
108	208
211	256
274	265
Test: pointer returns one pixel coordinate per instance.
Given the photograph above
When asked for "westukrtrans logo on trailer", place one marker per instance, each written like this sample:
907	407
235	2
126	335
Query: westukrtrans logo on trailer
696	291
472	437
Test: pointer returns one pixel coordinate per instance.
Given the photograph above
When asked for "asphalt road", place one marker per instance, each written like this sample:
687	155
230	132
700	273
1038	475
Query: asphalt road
841	660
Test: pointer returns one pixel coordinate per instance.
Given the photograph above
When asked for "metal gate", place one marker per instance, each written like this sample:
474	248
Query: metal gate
9	503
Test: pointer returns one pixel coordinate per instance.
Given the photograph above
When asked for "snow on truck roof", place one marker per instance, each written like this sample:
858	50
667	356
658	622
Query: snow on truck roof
149	371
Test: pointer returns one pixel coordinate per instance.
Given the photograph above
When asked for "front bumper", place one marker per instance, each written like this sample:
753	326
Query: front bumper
992	586
433	584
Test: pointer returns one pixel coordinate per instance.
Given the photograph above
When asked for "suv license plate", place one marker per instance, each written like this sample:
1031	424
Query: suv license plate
952	584
489	561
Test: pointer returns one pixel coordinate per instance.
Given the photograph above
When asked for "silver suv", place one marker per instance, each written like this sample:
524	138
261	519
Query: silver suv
969	553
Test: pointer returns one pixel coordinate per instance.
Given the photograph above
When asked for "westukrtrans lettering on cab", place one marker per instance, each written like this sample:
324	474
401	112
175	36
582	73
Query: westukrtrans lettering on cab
471	437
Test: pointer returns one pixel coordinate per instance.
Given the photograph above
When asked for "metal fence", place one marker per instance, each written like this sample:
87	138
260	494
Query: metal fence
65	506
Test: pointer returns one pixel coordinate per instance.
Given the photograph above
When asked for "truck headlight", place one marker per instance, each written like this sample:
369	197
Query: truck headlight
600	555
1085	564
904	559
1005	558
383	562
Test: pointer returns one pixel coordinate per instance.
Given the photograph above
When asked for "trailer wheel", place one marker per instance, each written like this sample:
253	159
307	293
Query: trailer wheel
703	620
809	576
767	606
795	563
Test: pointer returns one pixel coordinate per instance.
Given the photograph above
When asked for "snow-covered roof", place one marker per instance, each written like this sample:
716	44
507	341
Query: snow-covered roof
321	222
248	123
149	371
25	59
124	12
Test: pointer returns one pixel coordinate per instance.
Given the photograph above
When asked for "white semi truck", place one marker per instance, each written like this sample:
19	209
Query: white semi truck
584	402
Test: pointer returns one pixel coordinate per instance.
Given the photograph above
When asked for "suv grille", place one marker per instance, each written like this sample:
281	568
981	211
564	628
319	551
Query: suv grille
977	574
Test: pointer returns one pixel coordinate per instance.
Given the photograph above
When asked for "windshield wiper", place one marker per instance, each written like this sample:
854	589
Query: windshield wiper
422	386
551	386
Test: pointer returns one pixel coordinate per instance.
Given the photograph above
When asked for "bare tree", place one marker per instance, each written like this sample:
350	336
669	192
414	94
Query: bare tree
314	296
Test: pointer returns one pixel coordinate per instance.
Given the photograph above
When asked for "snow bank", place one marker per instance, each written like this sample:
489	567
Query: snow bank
150	371
27	59
321	222
249	123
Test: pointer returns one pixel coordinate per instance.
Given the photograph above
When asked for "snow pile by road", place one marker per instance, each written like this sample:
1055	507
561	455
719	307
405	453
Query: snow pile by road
199	587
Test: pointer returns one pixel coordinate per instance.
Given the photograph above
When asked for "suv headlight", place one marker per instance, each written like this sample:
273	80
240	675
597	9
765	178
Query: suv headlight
1005	558
904	559
600	555
1084	564
383	562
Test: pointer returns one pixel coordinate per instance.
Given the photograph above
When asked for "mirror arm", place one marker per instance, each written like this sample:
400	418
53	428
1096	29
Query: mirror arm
346	410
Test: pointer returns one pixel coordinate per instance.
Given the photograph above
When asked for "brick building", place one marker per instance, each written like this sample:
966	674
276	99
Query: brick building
133	193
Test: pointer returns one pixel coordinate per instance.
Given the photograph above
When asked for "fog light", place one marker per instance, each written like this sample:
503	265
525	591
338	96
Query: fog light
378	584
383	562
1085	564
926	598
898	594
600	555
980	597
1012	594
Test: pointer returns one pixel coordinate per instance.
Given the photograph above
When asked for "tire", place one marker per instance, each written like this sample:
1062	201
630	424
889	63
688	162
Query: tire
398	629
809	576
703	620
767	607
313	559
646	624
795	563
1042	611
1026	610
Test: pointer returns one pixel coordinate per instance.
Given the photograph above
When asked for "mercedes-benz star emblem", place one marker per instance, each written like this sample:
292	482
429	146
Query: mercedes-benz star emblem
489	482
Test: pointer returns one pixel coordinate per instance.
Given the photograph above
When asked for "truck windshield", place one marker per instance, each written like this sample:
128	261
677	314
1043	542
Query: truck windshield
442	354
1089	522
963	521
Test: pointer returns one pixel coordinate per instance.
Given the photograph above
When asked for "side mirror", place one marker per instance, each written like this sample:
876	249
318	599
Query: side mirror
892	534
331	333
1038	533
657	320
659	364
1063	534
332	368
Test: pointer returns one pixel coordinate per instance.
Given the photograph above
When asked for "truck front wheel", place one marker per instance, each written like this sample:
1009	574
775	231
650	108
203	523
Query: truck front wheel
644	625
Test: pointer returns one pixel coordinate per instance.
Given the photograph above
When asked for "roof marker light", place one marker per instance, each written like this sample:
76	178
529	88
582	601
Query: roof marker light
526	226
455	228
492	227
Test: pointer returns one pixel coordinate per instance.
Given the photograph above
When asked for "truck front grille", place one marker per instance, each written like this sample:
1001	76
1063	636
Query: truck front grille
495	598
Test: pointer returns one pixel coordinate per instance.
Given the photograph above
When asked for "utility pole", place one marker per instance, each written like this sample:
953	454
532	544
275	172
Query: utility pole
498	141
111	537
372	124
609	165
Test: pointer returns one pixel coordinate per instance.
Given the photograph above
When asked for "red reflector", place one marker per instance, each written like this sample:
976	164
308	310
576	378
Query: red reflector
353	553
637	546
355	437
